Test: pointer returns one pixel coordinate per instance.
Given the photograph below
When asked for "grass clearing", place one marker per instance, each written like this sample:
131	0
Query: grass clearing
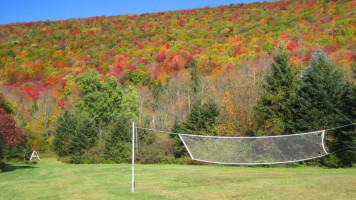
51	179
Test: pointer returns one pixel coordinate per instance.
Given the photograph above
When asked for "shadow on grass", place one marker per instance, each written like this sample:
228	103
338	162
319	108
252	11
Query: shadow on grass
10	167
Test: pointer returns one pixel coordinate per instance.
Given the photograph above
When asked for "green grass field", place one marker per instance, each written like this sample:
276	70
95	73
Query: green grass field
51	179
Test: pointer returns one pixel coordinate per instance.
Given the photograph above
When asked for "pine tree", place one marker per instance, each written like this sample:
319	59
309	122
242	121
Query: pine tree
347	138
100	122
178	146
118	141
201	120
321	97
65	128
84	137
274	110
321	103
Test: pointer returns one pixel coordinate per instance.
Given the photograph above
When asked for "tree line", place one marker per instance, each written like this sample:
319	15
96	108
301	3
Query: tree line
291	101
96	126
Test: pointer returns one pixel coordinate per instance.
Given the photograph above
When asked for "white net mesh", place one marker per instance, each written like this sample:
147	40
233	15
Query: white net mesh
255	150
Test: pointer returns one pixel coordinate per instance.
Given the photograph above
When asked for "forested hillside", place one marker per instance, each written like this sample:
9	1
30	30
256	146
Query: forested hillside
159	69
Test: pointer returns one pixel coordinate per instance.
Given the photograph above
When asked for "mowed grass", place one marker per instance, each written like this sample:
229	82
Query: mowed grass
51	179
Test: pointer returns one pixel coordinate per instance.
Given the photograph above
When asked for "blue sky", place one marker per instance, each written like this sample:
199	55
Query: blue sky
12	11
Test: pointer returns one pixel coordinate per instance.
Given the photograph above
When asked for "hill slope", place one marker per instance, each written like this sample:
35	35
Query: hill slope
229	45
164	43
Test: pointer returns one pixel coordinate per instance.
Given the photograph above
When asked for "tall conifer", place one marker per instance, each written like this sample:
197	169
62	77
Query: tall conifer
347	138
321	96
322	104
274	109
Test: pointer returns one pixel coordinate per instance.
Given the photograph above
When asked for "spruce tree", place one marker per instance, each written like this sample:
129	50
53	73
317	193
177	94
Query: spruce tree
201	120
65	128
178	146
321	97
84	137
321	104
118	141
347	138
274	109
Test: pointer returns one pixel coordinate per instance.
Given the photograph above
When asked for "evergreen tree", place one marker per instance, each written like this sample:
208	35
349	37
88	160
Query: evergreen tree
101	123
178	146
65	127
321	104
118	141
85	137
201	120
321	97
346	139
274	109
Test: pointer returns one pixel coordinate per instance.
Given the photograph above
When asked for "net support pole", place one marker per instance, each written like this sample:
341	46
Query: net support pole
323	141
133	158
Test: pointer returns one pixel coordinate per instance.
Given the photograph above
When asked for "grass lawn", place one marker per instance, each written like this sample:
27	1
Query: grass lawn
51	179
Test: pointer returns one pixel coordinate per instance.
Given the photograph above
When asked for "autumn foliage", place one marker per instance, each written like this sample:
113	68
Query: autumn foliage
9	130
37	55
170	57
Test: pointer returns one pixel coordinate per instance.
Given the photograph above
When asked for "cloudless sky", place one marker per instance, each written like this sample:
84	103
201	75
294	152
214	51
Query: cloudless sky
12	11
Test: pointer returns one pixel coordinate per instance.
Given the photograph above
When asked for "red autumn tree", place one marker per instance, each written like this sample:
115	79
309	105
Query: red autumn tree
10	134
